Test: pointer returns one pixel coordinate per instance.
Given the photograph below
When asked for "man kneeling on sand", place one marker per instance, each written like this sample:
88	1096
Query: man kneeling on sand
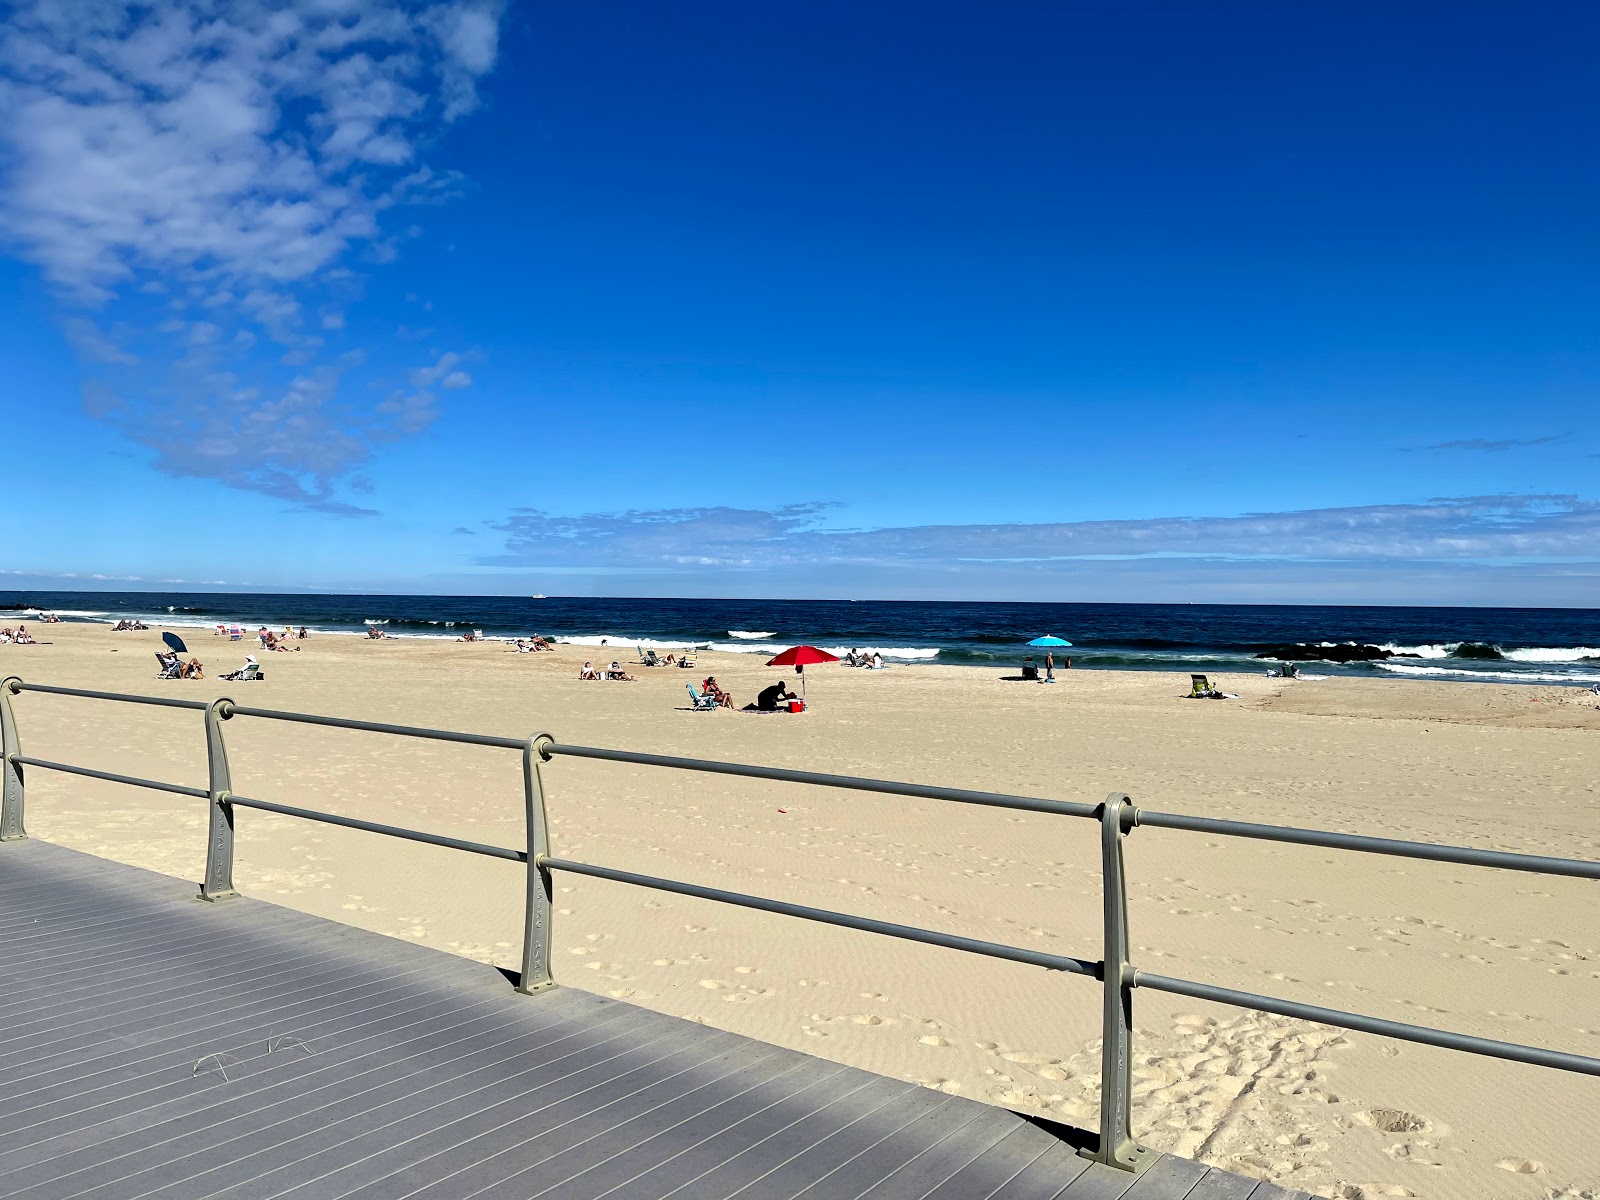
772	699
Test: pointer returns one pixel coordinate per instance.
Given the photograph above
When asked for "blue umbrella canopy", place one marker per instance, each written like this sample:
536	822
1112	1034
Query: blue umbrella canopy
1047	640
175	642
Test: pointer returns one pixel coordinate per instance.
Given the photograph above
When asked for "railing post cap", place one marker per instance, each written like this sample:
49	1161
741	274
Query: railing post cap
540	744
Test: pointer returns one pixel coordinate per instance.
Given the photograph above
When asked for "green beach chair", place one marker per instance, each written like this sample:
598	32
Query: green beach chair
1200	688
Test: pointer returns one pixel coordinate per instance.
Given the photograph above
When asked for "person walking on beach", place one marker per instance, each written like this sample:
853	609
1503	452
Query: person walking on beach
1049	667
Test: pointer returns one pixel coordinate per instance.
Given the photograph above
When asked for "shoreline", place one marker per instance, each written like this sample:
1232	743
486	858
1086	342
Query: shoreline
1401	668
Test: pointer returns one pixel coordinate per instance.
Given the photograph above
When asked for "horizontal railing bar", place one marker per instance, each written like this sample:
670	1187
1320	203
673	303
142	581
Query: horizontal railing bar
1539	864
1063	808
417	731
410	835
1036	958
1423	1034
158	701
131	780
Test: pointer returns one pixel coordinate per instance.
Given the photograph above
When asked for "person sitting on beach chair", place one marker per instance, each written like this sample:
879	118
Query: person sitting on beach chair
615	671
171	665
706	703
647	658
588	672
375	633
714	689
23	637
249	672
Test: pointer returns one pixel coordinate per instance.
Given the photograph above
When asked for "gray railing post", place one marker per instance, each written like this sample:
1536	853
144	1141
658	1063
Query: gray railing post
218	883
537	912
11	793
1117	1147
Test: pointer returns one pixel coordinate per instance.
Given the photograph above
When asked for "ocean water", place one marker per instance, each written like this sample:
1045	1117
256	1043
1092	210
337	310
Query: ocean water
1517	645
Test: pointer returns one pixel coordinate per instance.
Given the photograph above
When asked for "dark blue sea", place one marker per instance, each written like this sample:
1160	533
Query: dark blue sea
1521	645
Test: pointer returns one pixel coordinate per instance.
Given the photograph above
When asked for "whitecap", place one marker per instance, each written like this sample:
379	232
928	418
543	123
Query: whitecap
747	636
1430	650
1544	654
1491	676
617	641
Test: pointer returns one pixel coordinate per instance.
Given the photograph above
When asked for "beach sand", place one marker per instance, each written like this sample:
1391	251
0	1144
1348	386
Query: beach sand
1500	954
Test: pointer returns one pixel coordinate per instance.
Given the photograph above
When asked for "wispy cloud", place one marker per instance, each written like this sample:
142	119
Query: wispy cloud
199	181
1494	446
1482	528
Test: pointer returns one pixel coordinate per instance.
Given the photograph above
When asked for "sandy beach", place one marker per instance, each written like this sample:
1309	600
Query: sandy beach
1499	954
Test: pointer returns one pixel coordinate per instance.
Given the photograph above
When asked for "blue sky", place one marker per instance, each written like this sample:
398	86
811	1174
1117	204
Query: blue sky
1080	300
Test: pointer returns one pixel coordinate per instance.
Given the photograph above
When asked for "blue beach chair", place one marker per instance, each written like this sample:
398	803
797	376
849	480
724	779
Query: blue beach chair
701	703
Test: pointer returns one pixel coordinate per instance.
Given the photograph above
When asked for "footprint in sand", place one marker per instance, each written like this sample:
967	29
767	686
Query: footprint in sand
1521	1166
870	1019
933	1040
715	985
1393	1120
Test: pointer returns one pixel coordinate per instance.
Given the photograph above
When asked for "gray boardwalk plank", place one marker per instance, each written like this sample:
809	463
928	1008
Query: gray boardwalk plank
275	1132
428	1077
953	1152
843	1145
1048	1176
564	1163
760	1159
821	1084
1222	1185
1167	1179
312	1145
466	1140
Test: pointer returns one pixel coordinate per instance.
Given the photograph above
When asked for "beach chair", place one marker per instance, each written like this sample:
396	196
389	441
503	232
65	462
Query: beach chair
247	673
687	659
647	658
702	703
1200	688
171	666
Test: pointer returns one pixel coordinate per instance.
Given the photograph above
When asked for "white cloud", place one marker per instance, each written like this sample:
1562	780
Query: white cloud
226	158
1471	529
455	381
221	140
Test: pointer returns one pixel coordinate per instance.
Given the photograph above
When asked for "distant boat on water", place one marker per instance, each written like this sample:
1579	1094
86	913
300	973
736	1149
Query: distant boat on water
537	596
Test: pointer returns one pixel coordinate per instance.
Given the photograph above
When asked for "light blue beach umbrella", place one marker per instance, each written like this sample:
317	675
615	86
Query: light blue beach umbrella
1050	642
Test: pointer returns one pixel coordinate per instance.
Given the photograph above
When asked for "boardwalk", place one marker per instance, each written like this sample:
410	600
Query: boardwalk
152	1045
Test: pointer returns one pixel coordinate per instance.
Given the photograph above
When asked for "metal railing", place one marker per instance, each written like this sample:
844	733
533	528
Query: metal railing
1116	818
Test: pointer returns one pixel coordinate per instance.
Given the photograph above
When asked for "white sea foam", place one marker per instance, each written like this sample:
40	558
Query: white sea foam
1544	654
1490	675
618	641
1433	650
747	636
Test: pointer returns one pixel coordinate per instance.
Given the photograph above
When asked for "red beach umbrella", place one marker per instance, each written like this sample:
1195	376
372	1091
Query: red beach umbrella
799	656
